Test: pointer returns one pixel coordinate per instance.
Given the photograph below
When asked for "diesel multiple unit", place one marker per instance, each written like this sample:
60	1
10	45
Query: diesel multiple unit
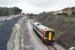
46	34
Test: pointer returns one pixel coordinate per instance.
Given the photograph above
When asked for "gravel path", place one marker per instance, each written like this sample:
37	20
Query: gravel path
25	43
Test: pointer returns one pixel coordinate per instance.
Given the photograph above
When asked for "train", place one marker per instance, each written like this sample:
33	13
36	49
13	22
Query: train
46	34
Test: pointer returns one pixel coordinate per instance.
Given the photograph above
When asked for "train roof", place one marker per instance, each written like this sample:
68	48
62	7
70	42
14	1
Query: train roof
43	27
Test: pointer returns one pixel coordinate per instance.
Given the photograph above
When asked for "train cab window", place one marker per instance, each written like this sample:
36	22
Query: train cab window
49	34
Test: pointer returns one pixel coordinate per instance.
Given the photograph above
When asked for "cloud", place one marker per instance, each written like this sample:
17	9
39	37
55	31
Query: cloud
42	3
27	8
9	2
36	6
47	3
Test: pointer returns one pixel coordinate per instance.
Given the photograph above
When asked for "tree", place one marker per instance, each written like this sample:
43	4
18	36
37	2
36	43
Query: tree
4	11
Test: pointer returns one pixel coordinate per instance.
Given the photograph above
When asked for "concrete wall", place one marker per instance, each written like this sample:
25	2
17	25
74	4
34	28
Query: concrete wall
14	41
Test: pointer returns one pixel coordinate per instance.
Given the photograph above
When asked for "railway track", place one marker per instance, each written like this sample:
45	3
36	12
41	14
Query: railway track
55	46
51	48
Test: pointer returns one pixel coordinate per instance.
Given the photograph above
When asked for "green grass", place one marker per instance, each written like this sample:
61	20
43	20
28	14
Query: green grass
62	24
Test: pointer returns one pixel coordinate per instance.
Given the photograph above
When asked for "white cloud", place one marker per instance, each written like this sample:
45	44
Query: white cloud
36	6
42	3
7	2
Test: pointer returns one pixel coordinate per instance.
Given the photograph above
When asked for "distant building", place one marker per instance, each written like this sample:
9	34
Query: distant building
67	11
73	9
57	12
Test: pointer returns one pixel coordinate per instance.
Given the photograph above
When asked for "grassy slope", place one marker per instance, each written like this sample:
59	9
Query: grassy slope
64	26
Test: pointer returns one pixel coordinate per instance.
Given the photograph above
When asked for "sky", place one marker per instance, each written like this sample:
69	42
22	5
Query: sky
37	6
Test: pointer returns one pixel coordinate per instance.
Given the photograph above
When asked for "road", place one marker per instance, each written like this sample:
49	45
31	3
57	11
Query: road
5	32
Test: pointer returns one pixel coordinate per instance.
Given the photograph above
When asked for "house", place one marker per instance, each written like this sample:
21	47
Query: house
67	11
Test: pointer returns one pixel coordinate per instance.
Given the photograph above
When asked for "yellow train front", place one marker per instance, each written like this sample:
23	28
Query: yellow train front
49	37
46	34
